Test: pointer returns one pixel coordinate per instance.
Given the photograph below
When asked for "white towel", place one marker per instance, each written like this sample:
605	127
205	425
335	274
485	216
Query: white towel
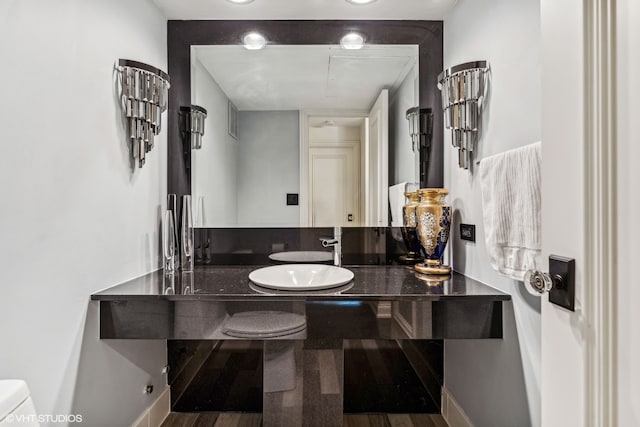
510	184
396	202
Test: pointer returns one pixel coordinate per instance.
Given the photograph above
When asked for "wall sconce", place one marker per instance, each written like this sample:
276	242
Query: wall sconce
463	90
144	99
420	125
193	125
421	132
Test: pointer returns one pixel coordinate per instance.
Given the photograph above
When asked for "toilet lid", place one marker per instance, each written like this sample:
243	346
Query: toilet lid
264	324
12	394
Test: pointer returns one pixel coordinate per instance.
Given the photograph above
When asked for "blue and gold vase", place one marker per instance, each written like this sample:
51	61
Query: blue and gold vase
409	233
433	225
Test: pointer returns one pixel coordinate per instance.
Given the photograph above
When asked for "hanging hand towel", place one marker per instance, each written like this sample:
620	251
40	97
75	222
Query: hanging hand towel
510	184
396	202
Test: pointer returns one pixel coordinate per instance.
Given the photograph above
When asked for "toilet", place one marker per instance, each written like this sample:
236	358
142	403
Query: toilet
264	324
16	406
279	356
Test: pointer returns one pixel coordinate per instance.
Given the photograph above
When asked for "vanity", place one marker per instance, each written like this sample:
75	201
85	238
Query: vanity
198	305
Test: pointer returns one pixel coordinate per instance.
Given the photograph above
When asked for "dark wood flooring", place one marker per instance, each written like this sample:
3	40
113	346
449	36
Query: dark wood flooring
255	420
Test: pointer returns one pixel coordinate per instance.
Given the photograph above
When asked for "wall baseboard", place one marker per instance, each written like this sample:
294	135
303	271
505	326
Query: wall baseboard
157	412
452	412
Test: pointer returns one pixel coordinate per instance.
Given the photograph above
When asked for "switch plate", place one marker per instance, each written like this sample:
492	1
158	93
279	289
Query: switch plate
565	295
468	232
292	199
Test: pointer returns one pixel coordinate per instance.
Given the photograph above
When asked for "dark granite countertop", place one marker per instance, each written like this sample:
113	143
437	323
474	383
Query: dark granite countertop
232	283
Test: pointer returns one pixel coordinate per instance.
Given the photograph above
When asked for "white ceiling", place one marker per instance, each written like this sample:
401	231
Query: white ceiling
282	77
305	9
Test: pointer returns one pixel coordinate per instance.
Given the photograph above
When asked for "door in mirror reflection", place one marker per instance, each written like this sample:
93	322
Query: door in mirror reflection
347	176
376	162
334	174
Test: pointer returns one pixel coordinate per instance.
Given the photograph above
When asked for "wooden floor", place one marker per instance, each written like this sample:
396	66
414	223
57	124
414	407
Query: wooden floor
255	420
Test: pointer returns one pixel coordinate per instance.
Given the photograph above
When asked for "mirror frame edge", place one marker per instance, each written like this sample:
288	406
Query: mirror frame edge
181	35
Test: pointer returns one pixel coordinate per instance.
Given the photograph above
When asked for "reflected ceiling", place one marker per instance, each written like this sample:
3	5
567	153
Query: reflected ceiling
306	77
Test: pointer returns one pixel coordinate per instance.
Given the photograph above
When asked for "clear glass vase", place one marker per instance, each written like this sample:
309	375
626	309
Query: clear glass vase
169	243
186	235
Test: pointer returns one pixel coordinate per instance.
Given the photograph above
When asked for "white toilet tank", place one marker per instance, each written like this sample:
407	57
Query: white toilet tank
16	406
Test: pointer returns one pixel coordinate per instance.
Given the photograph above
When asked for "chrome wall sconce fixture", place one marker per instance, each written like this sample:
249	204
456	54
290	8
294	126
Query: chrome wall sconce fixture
192	119
421	132
144	99
463	89
420	125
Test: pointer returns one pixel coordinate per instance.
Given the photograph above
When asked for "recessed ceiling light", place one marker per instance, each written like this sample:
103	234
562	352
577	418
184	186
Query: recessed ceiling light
240	1
352	41
254	41
361	1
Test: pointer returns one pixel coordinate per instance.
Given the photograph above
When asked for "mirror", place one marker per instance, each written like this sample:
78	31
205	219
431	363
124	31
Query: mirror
302	135
292	133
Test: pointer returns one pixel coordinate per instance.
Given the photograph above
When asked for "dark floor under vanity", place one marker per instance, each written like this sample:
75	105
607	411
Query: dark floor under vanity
227	419
226	376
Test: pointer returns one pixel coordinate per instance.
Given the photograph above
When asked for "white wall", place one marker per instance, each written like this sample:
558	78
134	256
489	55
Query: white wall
497	383
213	173
268	168
75	218
628	36
402	160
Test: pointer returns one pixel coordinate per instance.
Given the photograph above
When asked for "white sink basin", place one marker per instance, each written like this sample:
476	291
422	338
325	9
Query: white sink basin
338	290
301	277
302	256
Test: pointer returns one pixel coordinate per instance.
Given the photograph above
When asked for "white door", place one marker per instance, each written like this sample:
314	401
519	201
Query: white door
627	395
590	374
377	163
563	332
334	184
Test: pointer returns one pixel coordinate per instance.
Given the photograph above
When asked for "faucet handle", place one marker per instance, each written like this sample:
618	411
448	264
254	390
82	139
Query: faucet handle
329	241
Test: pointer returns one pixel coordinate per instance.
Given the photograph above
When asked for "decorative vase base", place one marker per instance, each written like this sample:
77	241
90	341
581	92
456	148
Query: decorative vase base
432	269
433	279
410	259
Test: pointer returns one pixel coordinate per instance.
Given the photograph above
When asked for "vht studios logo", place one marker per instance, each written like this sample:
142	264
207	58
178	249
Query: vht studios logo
16	420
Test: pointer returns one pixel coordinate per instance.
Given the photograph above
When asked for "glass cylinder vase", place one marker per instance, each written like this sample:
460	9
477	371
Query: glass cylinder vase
168	243
186	235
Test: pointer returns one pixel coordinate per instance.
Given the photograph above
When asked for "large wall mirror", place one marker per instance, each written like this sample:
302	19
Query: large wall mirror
302	133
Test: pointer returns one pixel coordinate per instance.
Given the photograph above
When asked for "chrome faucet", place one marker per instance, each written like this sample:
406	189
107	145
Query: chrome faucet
336	243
